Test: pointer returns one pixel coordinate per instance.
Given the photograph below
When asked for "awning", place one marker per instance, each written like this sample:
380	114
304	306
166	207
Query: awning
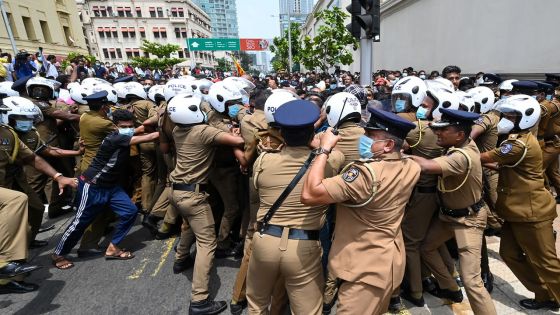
173	9
184	29
100	29
181	9
138	8
107	29
111	49
155	29
152	9
131	29
128	9
124	29
95	8
141	29
113	29
120	9
162	29
128	49
136	50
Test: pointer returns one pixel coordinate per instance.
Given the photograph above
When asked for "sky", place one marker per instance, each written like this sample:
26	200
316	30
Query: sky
255	20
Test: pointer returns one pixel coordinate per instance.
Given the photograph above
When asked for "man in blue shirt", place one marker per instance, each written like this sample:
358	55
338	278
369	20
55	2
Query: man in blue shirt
99	188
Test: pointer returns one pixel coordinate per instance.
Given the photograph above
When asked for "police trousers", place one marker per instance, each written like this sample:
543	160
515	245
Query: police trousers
360	298
225	180
13	225
528	249
297	261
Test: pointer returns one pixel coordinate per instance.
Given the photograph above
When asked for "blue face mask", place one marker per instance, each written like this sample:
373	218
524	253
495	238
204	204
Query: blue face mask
110	113
400	105
365	147
534	96
503	97
549	97
333	86
23	125
245	99
233	110
126	131
422	113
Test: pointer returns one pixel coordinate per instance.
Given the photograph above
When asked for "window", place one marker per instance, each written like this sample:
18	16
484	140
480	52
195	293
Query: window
67	35
181	54
112	53
46	32
128	11
114	31
128	52
142	32
119	53
152	12
106	53
29	30
138	12
159	12
180	32
120	11
159	32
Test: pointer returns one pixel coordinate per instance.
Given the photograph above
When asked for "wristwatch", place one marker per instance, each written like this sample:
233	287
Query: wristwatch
322	150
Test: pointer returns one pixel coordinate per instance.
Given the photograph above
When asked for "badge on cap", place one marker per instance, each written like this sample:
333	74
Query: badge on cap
506	148
351	174
478	121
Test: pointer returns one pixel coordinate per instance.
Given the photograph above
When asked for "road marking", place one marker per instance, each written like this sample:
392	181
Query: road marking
167	246
138	272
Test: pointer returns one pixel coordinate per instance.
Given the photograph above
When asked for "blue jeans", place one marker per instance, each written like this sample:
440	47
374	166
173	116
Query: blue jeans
92	201
326	236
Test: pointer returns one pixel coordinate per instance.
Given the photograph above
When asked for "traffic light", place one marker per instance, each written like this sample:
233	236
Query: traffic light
366	16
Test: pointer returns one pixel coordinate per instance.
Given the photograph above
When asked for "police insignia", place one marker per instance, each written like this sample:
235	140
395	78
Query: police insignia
351	174
506	148
478	121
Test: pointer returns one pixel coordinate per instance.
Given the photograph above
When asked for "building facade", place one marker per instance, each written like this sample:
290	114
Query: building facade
223	17
115	30
51	24
297	9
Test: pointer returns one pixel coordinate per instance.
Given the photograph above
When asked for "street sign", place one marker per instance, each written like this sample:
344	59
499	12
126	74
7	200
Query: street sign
213	44
197	44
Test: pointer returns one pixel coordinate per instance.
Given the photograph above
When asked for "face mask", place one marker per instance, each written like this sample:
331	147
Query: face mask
365	147
480	80
110	113
503	97
245	99
423	76
400	105
534	96
233	110
126	131
422	113
505	126
333	86
405	74
549	97
23	125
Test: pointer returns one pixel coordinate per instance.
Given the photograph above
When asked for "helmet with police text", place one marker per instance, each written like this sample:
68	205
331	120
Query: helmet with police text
223	94
177	86
447	99
342	107
134	90
155	93
42	89
407	93
90	82
111	92
185	109
278	98
483	98
20	108
187	77
6	89
525	108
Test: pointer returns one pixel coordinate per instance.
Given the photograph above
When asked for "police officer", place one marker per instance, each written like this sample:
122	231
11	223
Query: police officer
287	241
527	243
367	257
195	151
408	93
462	210
526	88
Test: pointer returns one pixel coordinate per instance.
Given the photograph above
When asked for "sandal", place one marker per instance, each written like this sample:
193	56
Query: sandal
61	263
122	254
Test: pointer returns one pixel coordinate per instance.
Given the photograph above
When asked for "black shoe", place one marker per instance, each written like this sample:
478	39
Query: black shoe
488	280
459	281
13	269
150	222
237	251
492	232
395	305
223	253
326	309
38	244
407	296
90	252
163	236
18	287
430	285
558	199
455	296
207	307
60	212
533	304
182	265
237	308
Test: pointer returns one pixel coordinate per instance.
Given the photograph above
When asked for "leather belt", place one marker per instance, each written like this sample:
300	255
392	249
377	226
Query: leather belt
459	213
426	189
190	187
293	234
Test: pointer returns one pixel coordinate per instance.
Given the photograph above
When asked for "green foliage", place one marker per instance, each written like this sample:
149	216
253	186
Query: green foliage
330	46
72	56
159	63
160	50
245	60
280	46
223	65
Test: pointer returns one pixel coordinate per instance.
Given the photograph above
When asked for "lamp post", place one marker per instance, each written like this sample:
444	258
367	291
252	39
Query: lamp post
289	39
8	27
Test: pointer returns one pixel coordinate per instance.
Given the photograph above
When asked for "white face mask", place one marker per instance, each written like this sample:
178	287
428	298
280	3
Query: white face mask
480	80
505	126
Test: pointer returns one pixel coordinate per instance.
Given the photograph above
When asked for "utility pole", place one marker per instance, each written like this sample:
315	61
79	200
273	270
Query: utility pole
8	28
289	38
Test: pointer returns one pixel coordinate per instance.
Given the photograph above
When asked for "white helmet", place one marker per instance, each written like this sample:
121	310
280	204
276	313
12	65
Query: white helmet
445	83
201	87
483	98
342	107
21	107
155	93
241	83
221	93
70	85
89	82
111	92
466	102
526	107
187	77
134	89
6	89
278	98
119	87
447	99
48	83
185	109
507	85
407	92
78	92
175	87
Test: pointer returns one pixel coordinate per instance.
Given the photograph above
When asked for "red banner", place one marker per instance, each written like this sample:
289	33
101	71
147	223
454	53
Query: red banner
254	44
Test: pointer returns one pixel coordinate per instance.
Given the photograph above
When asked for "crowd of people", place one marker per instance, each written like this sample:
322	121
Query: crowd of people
325	189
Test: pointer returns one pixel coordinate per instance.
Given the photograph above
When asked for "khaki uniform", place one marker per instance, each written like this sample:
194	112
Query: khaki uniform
195	152
422	205
13	226
370	256
348	144
527	243
549	140
460	189
410	116
297	261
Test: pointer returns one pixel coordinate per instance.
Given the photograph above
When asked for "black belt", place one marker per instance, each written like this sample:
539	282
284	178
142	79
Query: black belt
189	187
459	213
293	234
426	189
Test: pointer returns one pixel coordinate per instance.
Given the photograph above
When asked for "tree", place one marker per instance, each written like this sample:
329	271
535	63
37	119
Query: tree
160	50
223	65
330	46
280	48
73	56
245	60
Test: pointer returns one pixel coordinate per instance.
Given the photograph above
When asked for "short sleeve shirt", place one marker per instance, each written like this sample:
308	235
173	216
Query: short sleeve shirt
93	129
488	140
423	142
7	145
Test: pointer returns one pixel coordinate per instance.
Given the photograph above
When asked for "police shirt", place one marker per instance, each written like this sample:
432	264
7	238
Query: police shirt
249	127
423	142
93	129
348	144
489	138
8	143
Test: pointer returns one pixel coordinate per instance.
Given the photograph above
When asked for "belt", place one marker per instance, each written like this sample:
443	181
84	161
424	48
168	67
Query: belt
459	213
426	189
293	234
190	187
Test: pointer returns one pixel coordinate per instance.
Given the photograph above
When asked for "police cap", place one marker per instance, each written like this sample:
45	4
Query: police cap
389	122
525	86
454	117
127	78
296	114
20	84
98	97
491	79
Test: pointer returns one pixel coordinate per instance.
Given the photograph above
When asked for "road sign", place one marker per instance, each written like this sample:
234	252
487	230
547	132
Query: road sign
254	43
197	44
